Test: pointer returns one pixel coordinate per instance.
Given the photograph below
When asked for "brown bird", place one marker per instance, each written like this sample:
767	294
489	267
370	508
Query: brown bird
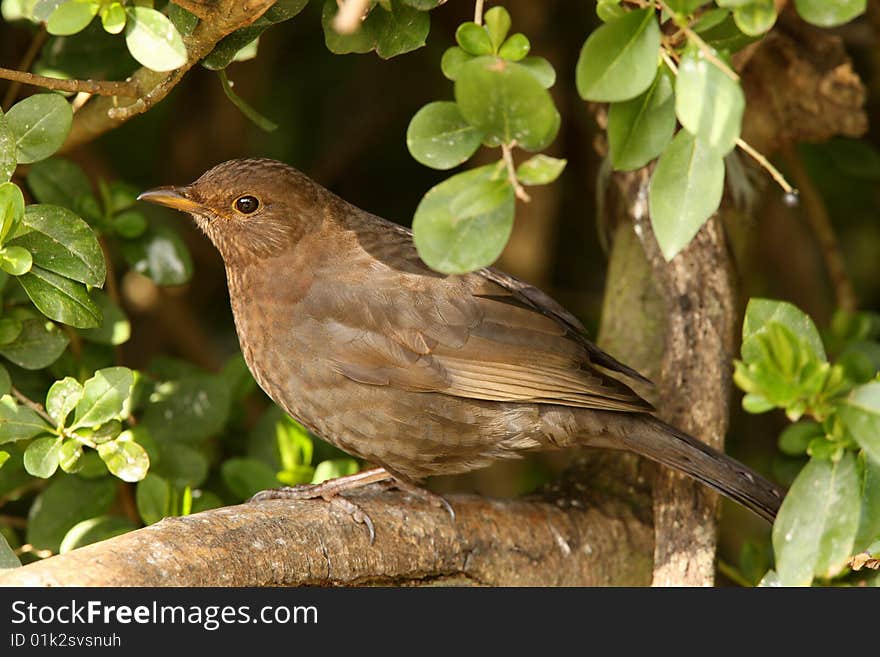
424	374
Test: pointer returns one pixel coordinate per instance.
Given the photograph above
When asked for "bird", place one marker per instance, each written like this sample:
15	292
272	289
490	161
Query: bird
420	373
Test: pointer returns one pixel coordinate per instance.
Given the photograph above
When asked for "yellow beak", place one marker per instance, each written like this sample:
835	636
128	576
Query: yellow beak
172	197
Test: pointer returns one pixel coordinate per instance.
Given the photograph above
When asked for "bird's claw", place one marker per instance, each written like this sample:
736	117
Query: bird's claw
314	492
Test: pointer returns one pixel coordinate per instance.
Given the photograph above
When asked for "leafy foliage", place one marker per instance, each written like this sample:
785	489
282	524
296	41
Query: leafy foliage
828	514
501	99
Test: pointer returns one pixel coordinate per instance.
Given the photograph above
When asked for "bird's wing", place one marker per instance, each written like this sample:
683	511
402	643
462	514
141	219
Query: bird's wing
481	336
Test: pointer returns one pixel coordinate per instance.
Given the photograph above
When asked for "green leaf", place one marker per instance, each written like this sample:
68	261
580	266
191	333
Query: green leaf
540	170
7	149
106	396
541	70
5	381
130	225
505	101
861	414
609	10
829	13
389	33
70	455
60	298
113	18
15	260
62	398
762	312
159	254
451	62
685	191
474	39
619	60
515	48
456	243
641	128
709	19
180	464
708	103
796	437
10	329
246	477
7	555
497	22
816	527
71	17
58	182
224	53
685	6
115	329
253	115
753	403
438	136
153	40
153	498
42	455
755	18
238	377
93	530
18	422
125	458
187	411
869	519
333	469
39	344
11	209
62	243
40	124
65	502
725	36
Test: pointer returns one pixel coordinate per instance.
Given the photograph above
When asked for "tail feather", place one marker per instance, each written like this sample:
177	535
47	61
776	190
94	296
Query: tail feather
665	444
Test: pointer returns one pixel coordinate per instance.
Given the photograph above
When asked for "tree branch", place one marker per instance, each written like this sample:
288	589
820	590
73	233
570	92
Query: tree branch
283	543
218	20
98	87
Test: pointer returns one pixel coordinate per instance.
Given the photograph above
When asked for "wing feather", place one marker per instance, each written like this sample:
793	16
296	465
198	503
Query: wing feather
481	336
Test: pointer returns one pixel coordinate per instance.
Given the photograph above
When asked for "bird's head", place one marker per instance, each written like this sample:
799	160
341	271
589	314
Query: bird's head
253	208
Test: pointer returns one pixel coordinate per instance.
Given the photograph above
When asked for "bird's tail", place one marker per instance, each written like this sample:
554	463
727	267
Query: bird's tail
665	444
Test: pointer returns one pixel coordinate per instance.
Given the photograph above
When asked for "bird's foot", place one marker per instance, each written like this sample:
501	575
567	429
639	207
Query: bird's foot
331	491
420	493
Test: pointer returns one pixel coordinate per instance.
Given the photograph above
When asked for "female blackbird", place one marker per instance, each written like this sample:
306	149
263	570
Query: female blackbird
349	332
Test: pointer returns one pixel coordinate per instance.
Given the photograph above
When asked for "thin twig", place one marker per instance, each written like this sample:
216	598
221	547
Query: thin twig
820	222
31	404
519	190
34	484
25	64
350	16
704	47
759	157
764	162
478	12
14	521
99	87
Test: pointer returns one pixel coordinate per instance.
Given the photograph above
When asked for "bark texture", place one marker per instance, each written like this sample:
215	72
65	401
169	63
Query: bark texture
565	538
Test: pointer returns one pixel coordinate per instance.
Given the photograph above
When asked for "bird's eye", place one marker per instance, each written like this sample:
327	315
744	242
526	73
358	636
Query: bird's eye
246	204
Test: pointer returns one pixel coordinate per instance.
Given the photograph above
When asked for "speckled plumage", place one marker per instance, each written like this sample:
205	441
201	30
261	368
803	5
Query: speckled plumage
346	329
